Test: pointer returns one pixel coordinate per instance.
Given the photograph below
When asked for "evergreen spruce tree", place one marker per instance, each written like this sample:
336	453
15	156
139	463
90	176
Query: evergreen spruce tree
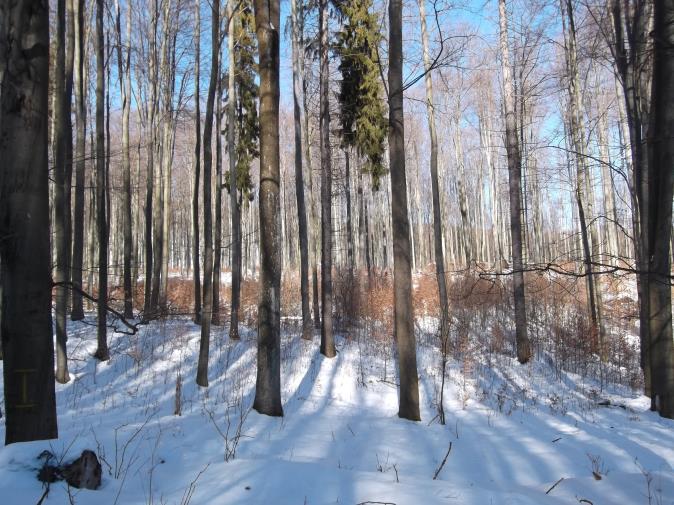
362	113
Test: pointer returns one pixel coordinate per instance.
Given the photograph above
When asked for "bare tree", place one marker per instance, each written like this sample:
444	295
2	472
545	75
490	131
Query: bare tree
77	312
268	383
61	206
196	272
297	19
408	406
101	189
327	337
435	190
233	189
514	177
124	70
202	369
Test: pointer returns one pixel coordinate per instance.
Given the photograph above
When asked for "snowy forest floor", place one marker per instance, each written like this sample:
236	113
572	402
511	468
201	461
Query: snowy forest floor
514	430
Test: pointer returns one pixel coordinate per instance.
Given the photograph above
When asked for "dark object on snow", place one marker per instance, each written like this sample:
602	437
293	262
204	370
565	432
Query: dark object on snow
48	473
84	472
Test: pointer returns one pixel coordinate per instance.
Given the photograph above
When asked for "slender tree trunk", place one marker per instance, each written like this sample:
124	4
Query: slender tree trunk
233	189
80	164
514	177
435	190
202	368
327	338
350	259
661	178
124	70
60	210
196	271
101	190
217	241
148	307
268	383
297	24
583	196
402	272
28	351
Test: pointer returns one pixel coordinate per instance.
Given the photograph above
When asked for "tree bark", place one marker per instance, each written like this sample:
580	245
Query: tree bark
435	190
28	372
202	368
327	337
661	179
77	312
514	178
124	70
297	24
60	210
101	190
408	407
631	59
268	383
196	271
233	189
217	240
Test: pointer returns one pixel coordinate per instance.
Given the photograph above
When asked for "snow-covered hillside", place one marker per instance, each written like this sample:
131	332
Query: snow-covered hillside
512	431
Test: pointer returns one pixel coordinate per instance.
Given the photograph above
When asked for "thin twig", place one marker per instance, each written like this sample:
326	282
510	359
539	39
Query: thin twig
449	449
554	485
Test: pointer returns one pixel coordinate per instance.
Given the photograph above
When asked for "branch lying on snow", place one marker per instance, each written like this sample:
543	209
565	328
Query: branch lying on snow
554	485
133	327
376	503
449	449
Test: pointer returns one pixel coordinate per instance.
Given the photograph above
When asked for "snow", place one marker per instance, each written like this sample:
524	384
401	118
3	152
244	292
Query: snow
514	430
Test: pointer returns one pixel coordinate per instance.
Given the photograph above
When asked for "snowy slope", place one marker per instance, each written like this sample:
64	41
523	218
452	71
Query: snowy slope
514	430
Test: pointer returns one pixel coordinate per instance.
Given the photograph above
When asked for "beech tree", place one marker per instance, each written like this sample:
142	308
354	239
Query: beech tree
515	192
661	183
27	345
268	383
202	369
101	353
408	406
327	337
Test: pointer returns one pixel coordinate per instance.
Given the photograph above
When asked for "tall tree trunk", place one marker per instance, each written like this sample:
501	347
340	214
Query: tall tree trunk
77	312
148	308
60	210
124	70
327	338
435	190
661	179
217	241
27	344
583	196
297	25
233	190
268	383
196	271
408	407
101	190
202	368
514	178
631	44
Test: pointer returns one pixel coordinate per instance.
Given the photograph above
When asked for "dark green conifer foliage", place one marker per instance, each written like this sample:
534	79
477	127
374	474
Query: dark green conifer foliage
362	115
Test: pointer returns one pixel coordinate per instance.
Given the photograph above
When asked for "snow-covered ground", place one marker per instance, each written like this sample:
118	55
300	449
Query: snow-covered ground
514	430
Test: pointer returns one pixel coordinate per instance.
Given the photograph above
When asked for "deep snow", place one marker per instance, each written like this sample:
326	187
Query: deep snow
514	430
